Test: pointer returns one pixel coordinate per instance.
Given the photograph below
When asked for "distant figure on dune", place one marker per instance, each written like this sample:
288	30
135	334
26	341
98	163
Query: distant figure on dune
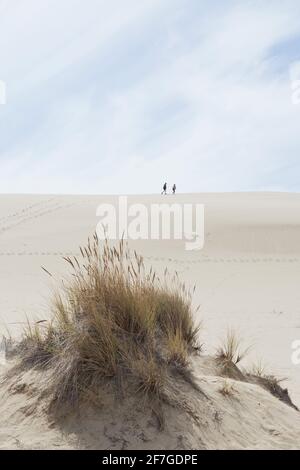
174	188
164	191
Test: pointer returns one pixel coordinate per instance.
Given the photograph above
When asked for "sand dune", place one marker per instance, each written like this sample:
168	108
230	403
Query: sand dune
246	276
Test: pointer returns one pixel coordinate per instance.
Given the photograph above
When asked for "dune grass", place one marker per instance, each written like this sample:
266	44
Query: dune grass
258	369
231	349
227	389
114	322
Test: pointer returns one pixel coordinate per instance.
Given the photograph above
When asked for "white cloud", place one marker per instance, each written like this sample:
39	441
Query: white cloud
119	96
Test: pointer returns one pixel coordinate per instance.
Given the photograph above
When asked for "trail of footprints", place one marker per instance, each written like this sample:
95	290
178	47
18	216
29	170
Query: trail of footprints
37	210
26	209
225	260
165	260
53	204
31	212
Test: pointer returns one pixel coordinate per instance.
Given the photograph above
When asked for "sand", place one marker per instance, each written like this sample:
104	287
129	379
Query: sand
246	276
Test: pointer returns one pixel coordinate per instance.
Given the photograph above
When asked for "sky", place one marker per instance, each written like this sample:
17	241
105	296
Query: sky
119	96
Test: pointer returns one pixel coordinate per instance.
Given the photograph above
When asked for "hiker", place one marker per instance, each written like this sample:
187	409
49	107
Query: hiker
174	188
164	191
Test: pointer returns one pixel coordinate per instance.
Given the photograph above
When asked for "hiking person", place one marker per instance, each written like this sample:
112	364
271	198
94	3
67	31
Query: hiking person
174	188
164	191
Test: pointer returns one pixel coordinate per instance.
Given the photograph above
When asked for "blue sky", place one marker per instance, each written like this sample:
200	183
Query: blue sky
118	96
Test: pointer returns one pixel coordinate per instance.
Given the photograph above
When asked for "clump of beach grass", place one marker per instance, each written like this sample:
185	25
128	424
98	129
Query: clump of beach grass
227	389
258	369
230	353
231	349
114	322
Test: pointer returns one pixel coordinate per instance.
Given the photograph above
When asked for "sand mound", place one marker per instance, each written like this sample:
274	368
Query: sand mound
213	413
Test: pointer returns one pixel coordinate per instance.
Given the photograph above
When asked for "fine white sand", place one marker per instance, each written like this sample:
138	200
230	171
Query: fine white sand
247	274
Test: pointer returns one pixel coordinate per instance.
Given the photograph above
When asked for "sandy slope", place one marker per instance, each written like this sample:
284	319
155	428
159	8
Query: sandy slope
246	275
250	418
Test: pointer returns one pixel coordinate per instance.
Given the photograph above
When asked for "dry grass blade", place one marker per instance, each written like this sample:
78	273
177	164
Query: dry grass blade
46	271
